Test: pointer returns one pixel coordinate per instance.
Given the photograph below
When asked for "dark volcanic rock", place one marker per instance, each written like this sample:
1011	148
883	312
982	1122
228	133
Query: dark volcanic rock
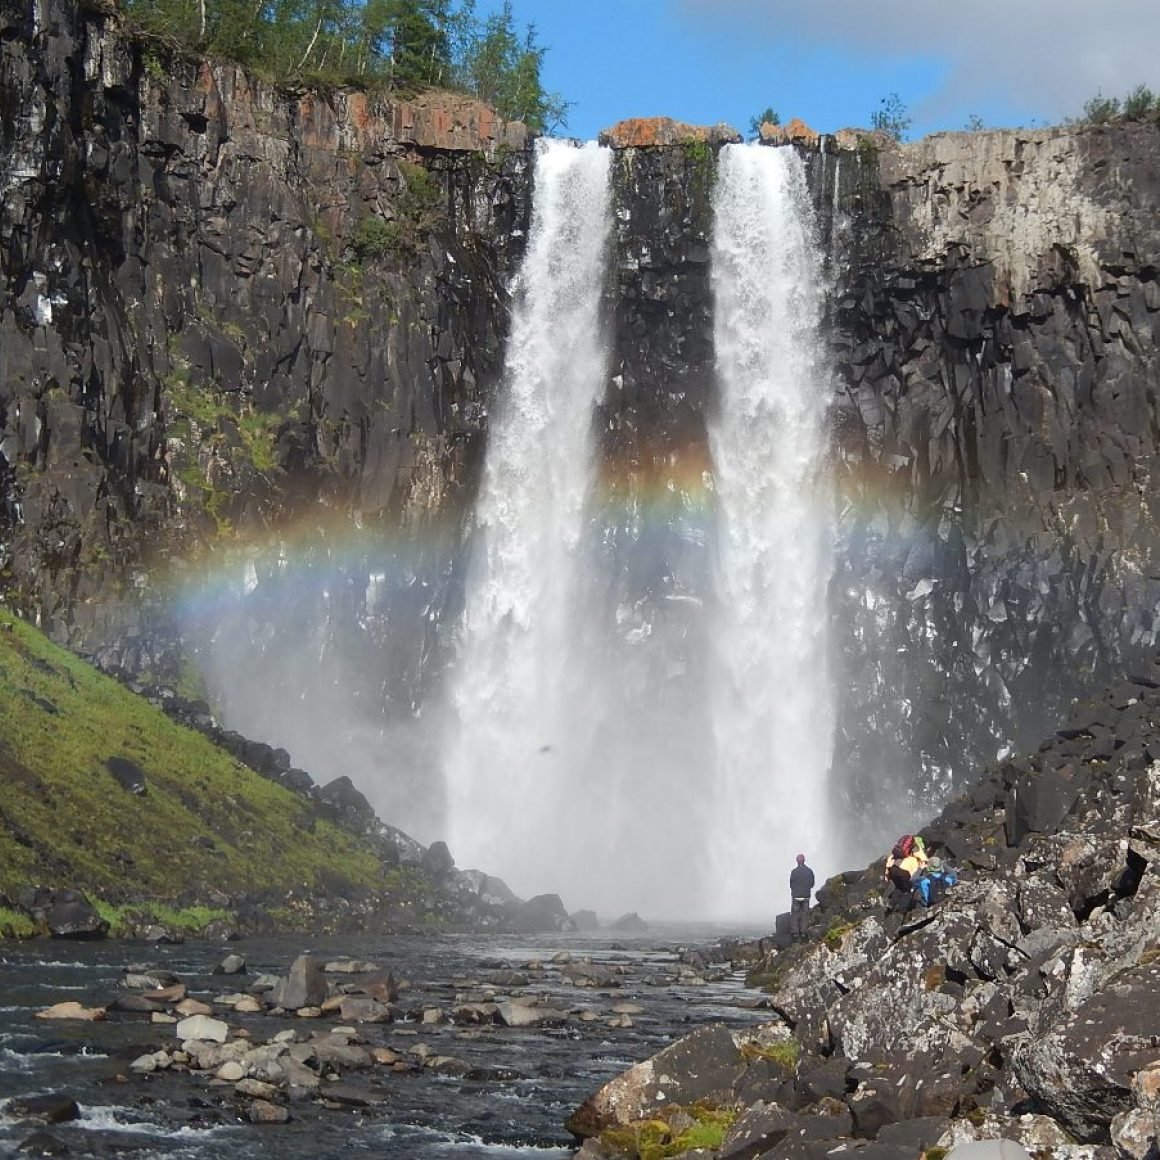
129	775
544	912
48	1109
71	915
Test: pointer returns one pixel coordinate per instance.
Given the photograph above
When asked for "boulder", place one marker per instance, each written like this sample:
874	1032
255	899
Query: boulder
202	1027
702	1066
437	861
530	1015
46	1109
1080	1070
347	804
364	1009
72	1010
630	923
73	916
127	773
756	1131
544	912
232	964
380	985
304	986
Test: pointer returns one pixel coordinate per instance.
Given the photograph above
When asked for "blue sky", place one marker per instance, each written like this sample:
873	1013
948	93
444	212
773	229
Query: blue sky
830	62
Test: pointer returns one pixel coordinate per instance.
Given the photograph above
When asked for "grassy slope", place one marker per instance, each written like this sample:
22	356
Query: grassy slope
65	821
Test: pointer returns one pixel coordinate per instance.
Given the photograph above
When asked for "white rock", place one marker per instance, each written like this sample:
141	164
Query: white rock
203	1027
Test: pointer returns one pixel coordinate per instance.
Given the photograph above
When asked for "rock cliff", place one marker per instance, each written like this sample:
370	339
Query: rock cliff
226	305
995	324
238	319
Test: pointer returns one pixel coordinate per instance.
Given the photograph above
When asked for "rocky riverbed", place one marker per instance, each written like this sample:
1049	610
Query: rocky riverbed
416	1046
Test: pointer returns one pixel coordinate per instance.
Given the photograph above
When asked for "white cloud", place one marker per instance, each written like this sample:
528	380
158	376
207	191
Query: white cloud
1050	55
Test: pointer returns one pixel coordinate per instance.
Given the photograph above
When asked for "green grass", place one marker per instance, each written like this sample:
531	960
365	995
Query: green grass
125	918
65	821
783	1054
655	1139
13	924
835	933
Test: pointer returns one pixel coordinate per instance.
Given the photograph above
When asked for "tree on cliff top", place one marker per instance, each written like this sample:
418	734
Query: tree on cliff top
502	68
405	45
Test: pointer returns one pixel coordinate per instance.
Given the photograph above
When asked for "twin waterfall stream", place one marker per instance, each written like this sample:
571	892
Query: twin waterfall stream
561	773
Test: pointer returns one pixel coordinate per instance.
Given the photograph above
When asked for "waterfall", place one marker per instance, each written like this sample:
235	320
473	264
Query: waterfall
511	773
772	712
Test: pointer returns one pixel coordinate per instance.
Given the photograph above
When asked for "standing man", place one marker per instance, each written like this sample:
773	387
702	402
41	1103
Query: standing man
801	883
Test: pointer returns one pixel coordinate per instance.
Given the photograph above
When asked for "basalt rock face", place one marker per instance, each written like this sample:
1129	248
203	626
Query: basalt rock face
995	320
227	305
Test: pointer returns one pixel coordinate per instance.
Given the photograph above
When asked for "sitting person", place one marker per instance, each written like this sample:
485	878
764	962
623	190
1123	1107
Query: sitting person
906	863
933	884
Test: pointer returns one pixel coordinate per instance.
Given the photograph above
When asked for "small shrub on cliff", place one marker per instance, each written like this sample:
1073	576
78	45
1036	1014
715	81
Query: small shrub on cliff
891	117
767	116
1100	109
374	238
1139	103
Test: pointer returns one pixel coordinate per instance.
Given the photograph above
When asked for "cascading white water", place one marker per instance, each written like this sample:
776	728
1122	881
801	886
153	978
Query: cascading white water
773	716
508	775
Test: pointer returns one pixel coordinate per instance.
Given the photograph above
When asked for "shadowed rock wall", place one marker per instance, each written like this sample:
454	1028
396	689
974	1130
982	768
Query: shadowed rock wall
227	306
995	323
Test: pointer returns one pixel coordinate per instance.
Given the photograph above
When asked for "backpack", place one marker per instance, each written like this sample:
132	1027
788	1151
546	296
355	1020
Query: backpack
903	848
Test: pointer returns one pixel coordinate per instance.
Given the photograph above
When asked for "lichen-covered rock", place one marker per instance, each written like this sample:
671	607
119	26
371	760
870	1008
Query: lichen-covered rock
701	1066
1081	1070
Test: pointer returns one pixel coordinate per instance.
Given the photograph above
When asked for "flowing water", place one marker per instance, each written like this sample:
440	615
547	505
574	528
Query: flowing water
590	759
511	773
512	1102
773	717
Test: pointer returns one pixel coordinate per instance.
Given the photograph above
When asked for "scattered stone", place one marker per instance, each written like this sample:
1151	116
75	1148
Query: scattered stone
203	1027
47	1109
350	967
232	964
256	1089
264	1112
189	1007
304	986
71	1010
43	1144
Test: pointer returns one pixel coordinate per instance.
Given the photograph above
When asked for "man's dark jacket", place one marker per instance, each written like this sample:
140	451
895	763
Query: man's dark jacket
801	882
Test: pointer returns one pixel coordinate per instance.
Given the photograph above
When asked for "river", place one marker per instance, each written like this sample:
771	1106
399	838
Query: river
521	1086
